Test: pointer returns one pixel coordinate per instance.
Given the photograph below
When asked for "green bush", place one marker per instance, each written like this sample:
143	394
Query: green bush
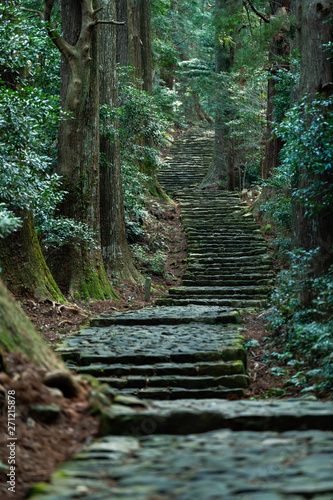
154	263
306	333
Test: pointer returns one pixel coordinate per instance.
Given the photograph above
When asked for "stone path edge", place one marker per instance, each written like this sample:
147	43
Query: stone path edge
184	417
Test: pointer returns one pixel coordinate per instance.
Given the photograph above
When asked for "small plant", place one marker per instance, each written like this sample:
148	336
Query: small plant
155	263
305	332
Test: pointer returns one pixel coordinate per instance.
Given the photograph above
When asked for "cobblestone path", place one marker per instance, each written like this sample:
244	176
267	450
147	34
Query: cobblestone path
173	426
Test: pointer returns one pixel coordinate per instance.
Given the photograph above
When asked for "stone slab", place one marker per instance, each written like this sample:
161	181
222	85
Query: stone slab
190	416
216	465
169	316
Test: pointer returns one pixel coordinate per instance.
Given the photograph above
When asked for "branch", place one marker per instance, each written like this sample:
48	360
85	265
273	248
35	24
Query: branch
101	21
36	12
188	36
61	44
256	11
248	16
98	10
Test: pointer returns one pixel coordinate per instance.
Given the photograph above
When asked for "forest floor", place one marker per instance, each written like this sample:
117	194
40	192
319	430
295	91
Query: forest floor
41	446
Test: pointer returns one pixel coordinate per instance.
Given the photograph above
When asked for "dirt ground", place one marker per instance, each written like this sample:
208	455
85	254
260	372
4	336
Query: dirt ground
41	446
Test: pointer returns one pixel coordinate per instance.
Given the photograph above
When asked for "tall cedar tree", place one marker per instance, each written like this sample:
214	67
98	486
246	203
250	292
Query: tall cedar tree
313	32
278	51
134	49
116	256
79	271
221	168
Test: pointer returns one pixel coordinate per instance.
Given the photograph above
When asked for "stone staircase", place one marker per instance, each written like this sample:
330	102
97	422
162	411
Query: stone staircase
169	432
163	352
194	350
188	161
228	264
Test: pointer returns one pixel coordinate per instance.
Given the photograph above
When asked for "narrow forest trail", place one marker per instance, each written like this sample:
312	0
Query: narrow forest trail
177	428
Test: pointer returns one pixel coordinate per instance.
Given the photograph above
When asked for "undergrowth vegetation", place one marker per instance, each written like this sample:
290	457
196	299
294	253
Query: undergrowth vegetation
303	327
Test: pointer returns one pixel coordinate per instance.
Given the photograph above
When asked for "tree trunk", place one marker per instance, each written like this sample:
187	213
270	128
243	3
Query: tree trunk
314	30
122	56
116	256
279	50
218	172
19	335
80	271
135	40
23	266
146	55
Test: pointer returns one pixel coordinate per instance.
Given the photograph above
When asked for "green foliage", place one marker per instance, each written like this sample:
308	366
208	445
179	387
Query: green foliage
153	263
135	192
306	332
8	221
25	118
142	127
28	130
285	80
308	152
27	51
247	124
58	231
306	162
142	124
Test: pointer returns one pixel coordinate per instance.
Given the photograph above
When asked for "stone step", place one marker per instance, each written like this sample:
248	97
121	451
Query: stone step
213	368
165	343
225	245
229	266
155	316
232	273
181	381
219	291
228	234
172	393
204	282
246	260
185	417
207	301
190	450
195	254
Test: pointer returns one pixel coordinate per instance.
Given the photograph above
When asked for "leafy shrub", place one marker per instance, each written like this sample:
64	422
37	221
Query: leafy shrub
308	152
306	332
8	221
155	263
29	116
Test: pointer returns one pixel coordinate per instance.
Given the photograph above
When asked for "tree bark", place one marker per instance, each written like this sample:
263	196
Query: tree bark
19	335
80	271
314	30
219	169
122	56
279	50
146	55
24	269
116	256
135	40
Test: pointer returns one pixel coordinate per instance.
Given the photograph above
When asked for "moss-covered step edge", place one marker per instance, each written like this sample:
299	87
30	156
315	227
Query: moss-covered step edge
180	381
182	419
235	352
232	317
216	368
